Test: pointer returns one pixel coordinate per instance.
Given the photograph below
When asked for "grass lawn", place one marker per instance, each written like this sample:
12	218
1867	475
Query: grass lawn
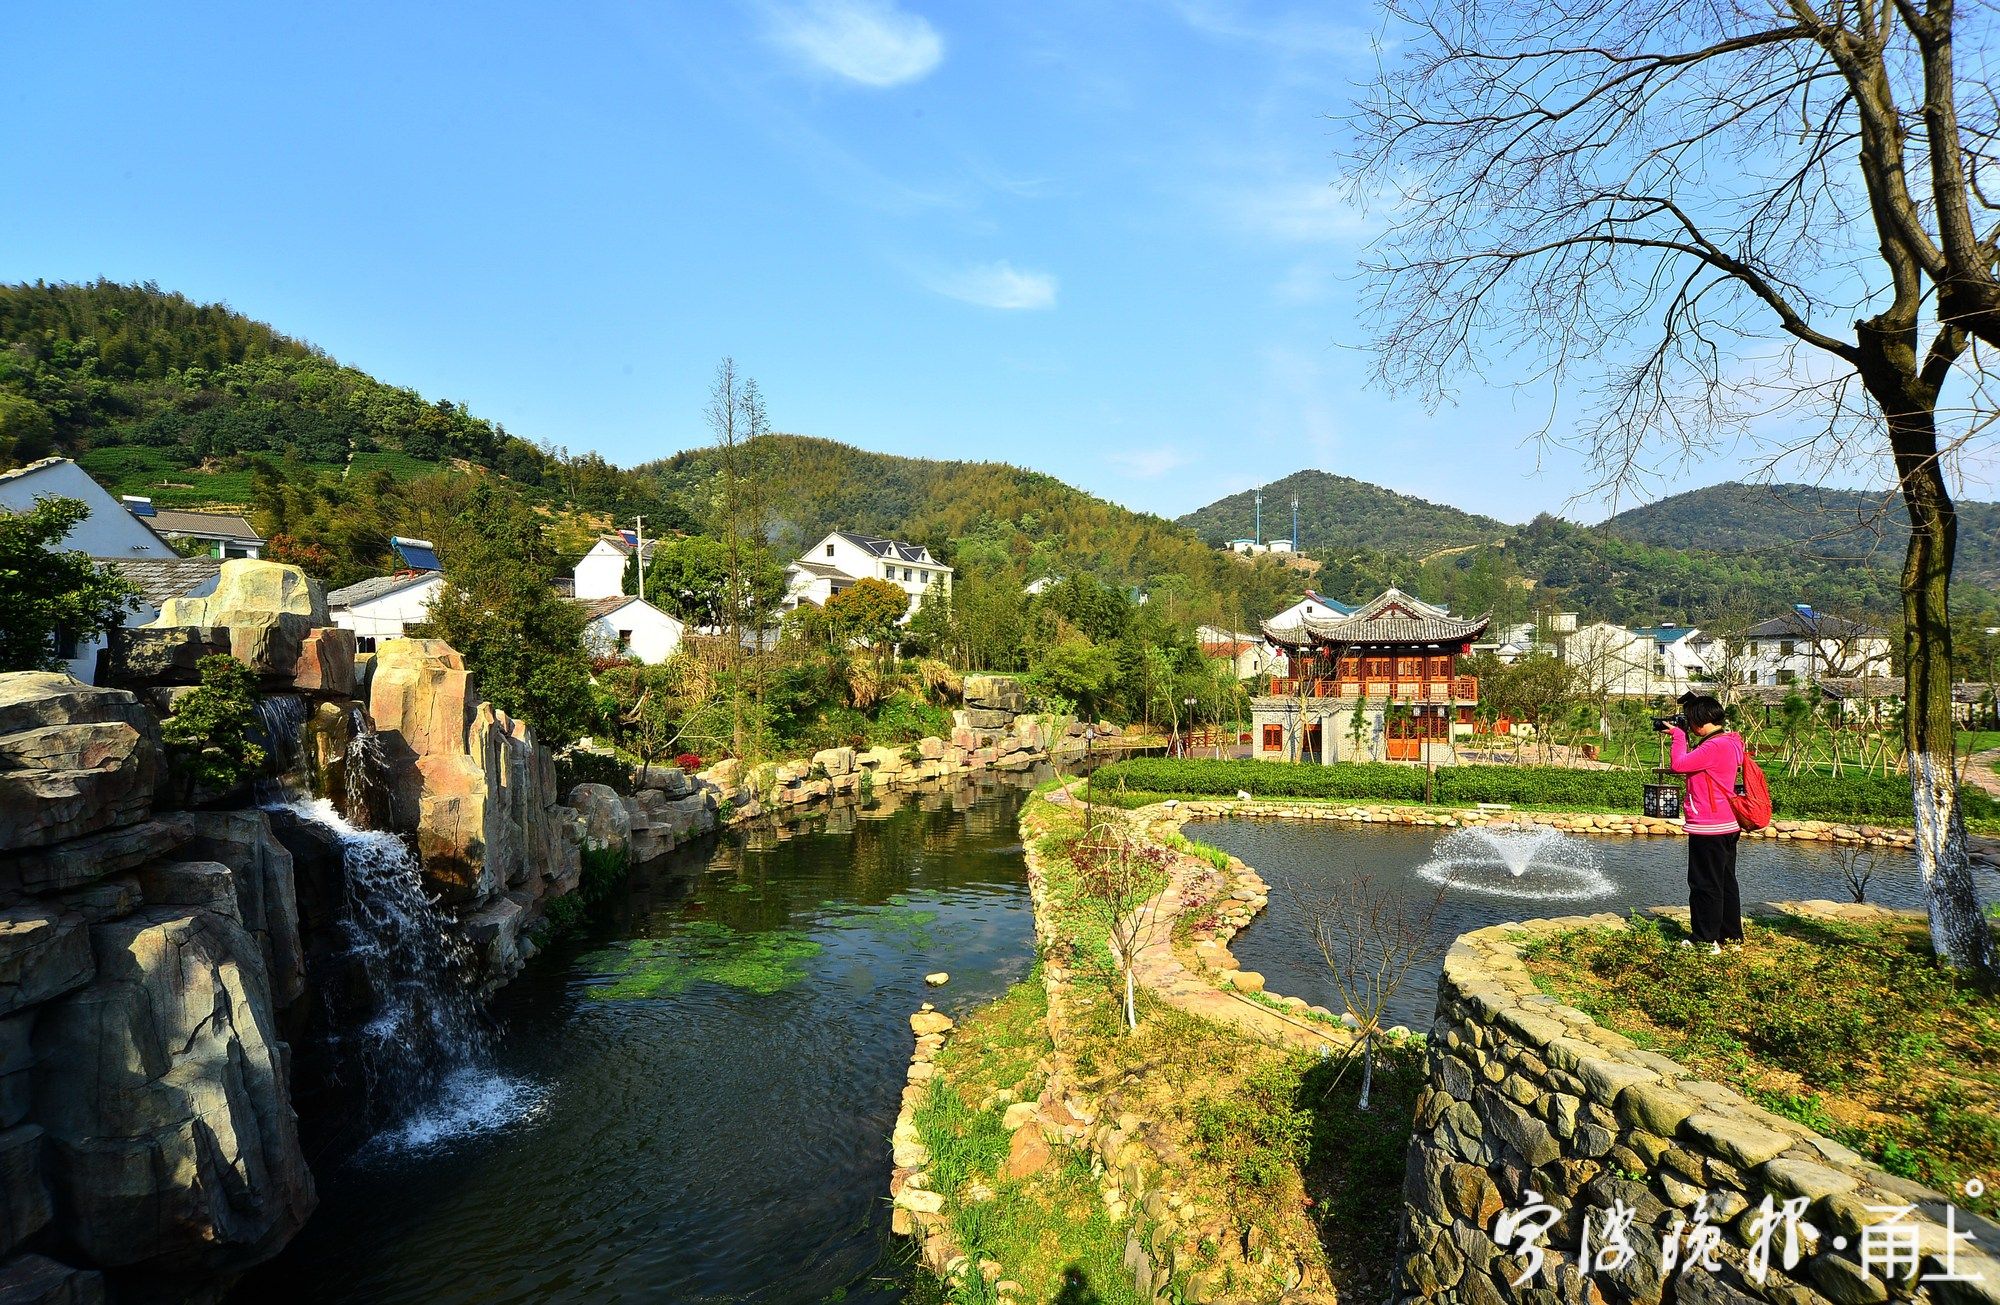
1050	1232
1852	1030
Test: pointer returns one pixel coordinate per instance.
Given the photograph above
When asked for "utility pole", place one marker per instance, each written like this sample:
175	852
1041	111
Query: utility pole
639	551
1295	524
1257	527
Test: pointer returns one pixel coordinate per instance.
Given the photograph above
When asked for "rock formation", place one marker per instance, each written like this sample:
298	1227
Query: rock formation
146	1125
476	792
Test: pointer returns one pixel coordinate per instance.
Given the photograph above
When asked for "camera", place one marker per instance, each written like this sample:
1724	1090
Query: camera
1678	718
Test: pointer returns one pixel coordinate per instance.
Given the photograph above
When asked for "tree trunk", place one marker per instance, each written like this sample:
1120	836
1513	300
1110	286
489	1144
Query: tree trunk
1367	1069
1958	929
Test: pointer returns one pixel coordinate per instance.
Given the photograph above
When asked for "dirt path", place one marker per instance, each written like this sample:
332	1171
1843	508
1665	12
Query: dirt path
1980	772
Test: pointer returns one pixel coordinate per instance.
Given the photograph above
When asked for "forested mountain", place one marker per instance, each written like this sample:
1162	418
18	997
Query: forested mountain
1704	557
1340	515
1830	523
197	405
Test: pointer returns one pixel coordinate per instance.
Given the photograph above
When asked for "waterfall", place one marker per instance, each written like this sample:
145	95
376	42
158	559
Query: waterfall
422	1050
281	720
364	766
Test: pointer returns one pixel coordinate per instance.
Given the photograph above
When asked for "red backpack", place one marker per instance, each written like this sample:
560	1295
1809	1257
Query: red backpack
1751	807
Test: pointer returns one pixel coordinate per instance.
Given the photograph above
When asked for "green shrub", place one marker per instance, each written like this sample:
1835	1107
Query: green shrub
1807	797
208	736
582	766
1258	1132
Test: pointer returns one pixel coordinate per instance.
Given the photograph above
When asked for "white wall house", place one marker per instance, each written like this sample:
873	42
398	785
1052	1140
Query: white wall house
600	573
631	627
843	557
1250	655
380	607
109	530
1611	659
1313	605
1684	658
110	534
1805	647
223	534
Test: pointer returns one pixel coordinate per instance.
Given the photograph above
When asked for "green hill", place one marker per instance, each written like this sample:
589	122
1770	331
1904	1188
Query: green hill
1341	515
1718	553
1837	524
197	405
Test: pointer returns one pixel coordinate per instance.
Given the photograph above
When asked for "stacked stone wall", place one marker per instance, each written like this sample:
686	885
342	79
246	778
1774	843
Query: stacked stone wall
1529	1100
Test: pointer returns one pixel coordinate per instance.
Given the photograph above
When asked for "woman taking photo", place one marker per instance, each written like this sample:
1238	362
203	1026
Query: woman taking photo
1710	761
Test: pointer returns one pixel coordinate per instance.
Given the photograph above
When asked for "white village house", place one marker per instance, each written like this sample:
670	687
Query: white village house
843	557
223	535
115	538
622	626
1804	647
381	606
600	573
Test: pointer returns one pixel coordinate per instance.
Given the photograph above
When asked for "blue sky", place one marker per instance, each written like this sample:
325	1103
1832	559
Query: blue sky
1097	238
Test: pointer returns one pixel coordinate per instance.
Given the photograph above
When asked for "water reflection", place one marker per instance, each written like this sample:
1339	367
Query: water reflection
719	1059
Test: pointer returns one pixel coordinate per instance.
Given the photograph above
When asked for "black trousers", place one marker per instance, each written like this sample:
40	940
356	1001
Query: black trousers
1715	914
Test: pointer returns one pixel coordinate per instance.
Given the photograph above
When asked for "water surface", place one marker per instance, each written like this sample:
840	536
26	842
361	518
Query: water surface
703	1081
1568	875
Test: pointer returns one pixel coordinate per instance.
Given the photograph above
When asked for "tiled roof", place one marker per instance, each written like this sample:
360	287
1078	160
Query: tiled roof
377	586
161	578
1663	633
822	569
209	525
31	467
892	549
1391	617
1800	625
594	608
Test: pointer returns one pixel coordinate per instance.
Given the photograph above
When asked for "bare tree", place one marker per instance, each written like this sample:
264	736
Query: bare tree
736	418
1370	938
1124	874
1718	211
1856	866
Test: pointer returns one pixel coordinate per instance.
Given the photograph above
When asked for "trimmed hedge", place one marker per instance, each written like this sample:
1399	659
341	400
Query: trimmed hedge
1808	797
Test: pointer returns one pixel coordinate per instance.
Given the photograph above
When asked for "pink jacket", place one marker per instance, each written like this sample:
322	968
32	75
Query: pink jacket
1710	766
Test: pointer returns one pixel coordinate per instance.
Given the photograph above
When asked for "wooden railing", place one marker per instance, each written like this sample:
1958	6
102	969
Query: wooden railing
1460	688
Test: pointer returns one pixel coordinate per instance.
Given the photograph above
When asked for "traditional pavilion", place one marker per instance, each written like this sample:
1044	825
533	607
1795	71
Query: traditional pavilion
1393	662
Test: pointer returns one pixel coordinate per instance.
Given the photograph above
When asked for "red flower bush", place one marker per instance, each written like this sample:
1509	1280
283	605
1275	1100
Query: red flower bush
688	762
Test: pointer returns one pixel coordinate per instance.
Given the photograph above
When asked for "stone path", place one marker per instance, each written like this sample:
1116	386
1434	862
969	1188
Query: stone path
1980	773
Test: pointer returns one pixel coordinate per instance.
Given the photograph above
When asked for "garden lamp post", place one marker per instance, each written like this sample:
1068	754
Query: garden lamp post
1188	703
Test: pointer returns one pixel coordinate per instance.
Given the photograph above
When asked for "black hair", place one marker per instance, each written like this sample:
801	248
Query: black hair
1701	709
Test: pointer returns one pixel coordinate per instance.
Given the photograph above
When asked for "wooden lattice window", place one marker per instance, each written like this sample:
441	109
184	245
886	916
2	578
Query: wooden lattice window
1274	738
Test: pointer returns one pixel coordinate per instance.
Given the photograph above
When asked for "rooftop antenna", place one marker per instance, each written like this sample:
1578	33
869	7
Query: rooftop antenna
1259	530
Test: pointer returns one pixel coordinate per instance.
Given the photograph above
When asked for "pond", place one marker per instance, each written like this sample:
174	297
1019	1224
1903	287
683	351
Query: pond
691	1101
1488	880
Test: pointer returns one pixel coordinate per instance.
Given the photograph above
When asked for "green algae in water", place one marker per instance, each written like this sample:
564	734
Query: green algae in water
895	922
701	951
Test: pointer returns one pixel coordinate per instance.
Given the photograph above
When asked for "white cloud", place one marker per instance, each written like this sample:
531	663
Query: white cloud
998	285
1148	463
1305	212
1293	33
867	41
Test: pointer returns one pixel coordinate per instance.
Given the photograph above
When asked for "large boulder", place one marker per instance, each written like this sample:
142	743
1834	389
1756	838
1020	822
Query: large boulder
161	1088
85	860
44	952
145	657
468	781
74	759
325	663
268	608
995	693
606	825
39	1280
263	889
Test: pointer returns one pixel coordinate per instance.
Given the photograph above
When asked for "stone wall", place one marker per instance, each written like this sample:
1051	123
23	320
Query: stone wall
148	963
1526	1095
